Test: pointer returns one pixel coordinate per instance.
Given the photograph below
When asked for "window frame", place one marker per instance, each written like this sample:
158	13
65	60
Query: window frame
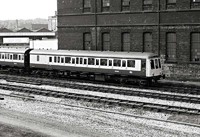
104	7
124	7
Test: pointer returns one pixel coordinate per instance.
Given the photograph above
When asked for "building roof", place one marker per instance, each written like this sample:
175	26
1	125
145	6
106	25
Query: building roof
24	30
5	30
43	30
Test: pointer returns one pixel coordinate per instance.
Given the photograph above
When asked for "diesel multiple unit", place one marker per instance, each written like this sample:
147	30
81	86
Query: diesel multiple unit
101	65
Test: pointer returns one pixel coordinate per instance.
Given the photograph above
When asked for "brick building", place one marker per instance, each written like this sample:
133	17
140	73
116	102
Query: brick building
170	28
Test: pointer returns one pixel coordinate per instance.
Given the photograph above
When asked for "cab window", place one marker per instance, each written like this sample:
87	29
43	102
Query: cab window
152	64
156	63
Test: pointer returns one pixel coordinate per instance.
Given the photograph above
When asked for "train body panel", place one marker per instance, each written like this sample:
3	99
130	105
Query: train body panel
11	57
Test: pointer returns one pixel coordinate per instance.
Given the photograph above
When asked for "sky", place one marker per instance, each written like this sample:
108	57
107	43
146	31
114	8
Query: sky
27	9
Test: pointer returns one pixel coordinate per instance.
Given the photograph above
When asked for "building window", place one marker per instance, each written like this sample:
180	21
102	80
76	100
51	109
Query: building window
125	5
147	5
87	41
86	5
171	4
195	47
106	41
147	40
105	5
126	41
195	4
171	47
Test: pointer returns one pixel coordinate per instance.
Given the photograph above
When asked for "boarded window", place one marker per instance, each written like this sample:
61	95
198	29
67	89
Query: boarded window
171	4
195	47
106	41
126	41
86	5
171	47
131	63
105	5
147	5
125	5
147	42
87	41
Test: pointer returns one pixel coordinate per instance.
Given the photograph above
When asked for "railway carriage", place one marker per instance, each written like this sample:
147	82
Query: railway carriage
14	58
101	65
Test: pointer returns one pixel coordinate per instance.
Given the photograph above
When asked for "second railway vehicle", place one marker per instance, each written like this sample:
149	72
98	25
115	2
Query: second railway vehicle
141	67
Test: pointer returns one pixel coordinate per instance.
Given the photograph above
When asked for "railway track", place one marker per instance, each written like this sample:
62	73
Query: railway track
164	95
29	92
110	112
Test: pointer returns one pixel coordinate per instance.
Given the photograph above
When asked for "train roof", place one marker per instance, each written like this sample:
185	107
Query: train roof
106	54
13	50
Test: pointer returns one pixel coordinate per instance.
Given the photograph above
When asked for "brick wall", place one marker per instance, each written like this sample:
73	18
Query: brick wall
73	23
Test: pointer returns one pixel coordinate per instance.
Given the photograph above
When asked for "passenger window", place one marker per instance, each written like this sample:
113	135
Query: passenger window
38	58
123	63
90	61
55	59
156	63
81	60
11	57
73	60
2	56
50	59
117	63
85	61
131	63
97	62
15	57
67	60
58	59
22	57
6	56
110	63
152	64
62	60
77	60
103	62
19	57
